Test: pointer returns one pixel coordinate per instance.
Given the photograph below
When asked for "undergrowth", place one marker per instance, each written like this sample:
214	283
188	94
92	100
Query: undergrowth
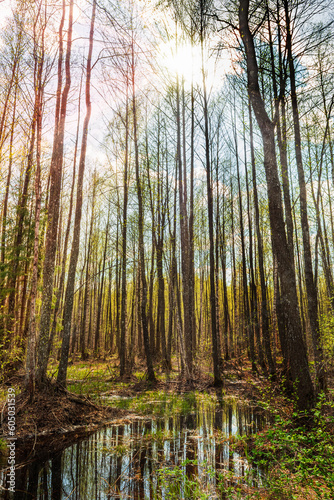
298	457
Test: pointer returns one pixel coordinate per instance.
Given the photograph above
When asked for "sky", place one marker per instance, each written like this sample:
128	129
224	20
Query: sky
184	61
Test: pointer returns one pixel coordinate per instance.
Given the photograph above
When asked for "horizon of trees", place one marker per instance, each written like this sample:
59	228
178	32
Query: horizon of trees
202	223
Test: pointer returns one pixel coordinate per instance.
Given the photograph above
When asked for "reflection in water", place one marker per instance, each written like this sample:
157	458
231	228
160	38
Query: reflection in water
121	461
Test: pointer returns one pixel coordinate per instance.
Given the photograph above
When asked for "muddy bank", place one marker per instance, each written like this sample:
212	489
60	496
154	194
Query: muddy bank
54	419
59	415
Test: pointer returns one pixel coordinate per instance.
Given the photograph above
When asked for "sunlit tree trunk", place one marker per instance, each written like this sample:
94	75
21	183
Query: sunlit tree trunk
122	353
213	310
150	370
69	294
39	91
56	168
86	299
184	235
60	289
98	336
161	212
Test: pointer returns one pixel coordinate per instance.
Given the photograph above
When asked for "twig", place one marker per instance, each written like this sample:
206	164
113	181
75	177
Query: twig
71	493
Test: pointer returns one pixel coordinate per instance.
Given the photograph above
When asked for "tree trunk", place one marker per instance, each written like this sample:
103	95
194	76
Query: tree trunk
215	352
311	289
66	239
264	304
150	370
69	294
299	363
97	339
56	168
184	233
122	353
31	341
249	328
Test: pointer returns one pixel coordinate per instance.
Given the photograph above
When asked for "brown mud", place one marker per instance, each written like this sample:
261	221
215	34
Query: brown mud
56	416
54	419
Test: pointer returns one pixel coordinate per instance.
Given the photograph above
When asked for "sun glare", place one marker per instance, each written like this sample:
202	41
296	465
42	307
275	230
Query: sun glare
185	61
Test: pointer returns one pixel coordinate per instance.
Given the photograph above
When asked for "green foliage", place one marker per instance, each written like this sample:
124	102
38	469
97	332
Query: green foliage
173	483
92	380
13	357
205	483
160	403
3	447
327	335
296	455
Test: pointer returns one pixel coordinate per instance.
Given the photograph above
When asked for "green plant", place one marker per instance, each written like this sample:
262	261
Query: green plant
302	455
173	483
3	447
327	336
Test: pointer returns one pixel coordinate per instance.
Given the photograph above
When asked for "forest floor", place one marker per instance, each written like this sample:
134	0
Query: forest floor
300	457
91	384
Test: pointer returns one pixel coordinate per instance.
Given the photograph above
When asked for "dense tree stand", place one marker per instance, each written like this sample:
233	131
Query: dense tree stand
183	214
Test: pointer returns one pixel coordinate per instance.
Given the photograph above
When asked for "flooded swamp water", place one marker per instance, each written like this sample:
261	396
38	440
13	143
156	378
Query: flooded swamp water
179	454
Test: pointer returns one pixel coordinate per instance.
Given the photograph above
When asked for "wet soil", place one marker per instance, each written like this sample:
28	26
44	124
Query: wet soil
58	414
55	417
238	382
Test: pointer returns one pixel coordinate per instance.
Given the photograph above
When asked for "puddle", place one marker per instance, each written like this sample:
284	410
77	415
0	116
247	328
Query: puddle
147	459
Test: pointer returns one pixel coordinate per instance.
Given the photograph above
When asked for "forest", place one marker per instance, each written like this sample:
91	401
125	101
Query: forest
166	251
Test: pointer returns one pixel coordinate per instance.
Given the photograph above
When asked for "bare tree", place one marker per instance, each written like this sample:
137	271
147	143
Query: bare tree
298	358
56	168
69	294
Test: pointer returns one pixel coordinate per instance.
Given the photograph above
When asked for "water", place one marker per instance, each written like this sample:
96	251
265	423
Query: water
145	457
